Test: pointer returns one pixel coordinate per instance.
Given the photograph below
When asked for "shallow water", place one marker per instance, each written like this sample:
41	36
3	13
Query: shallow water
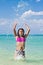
33	51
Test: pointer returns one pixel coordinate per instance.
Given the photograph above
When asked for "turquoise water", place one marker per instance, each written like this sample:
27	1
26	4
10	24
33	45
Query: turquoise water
33	50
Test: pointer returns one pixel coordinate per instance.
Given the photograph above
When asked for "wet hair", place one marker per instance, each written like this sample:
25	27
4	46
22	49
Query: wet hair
19	30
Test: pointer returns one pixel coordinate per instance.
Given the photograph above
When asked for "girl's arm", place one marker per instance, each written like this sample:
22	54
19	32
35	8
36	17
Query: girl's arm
28	30
14	29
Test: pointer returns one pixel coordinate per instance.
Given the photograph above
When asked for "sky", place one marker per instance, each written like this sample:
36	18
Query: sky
21	11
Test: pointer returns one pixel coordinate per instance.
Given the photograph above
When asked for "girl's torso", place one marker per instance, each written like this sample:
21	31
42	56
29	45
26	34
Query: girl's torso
20	43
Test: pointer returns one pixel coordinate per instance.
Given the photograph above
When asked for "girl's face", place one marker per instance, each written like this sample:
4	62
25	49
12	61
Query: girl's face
21	32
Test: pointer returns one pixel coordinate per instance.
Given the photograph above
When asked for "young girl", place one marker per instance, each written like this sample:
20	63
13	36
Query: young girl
20	39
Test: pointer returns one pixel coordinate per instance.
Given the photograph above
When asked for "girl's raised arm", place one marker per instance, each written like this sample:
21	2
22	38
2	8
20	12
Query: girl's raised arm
28	30
14	29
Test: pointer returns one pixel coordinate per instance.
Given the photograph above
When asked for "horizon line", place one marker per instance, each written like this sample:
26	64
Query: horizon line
13	34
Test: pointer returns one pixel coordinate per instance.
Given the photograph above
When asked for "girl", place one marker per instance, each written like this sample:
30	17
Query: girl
20	39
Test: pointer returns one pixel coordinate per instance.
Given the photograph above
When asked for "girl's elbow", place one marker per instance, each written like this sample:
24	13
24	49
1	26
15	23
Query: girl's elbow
29	30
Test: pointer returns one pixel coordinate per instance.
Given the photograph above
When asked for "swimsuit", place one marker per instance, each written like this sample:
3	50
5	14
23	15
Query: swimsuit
20	52
20	39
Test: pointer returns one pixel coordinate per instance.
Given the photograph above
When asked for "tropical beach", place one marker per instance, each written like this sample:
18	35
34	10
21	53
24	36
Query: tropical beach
21	12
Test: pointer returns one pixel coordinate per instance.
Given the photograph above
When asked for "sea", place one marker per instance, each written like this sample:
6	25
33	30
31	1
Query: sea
33	50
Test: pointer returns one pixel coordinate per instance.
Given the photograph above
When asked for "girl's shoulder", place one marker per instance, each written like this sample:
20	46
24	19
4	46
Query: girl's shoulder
16	36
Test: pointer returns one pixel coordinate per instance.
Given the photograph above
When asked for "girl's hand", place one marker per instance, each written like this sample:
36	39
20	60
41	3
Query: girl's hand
26	24
15	24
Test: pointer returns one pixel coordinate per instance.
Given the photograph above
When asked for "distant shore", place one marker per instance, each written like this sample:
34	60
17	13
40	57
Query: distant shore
13	34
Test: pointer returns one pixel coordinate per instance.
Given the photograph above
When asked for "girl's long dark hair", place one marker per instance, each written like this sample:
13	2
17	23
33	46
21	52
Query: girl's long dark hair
18	32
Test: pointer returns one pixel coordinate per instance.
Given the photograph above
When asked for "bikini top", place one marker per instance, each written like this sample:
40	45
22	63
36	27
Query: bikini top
20	39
